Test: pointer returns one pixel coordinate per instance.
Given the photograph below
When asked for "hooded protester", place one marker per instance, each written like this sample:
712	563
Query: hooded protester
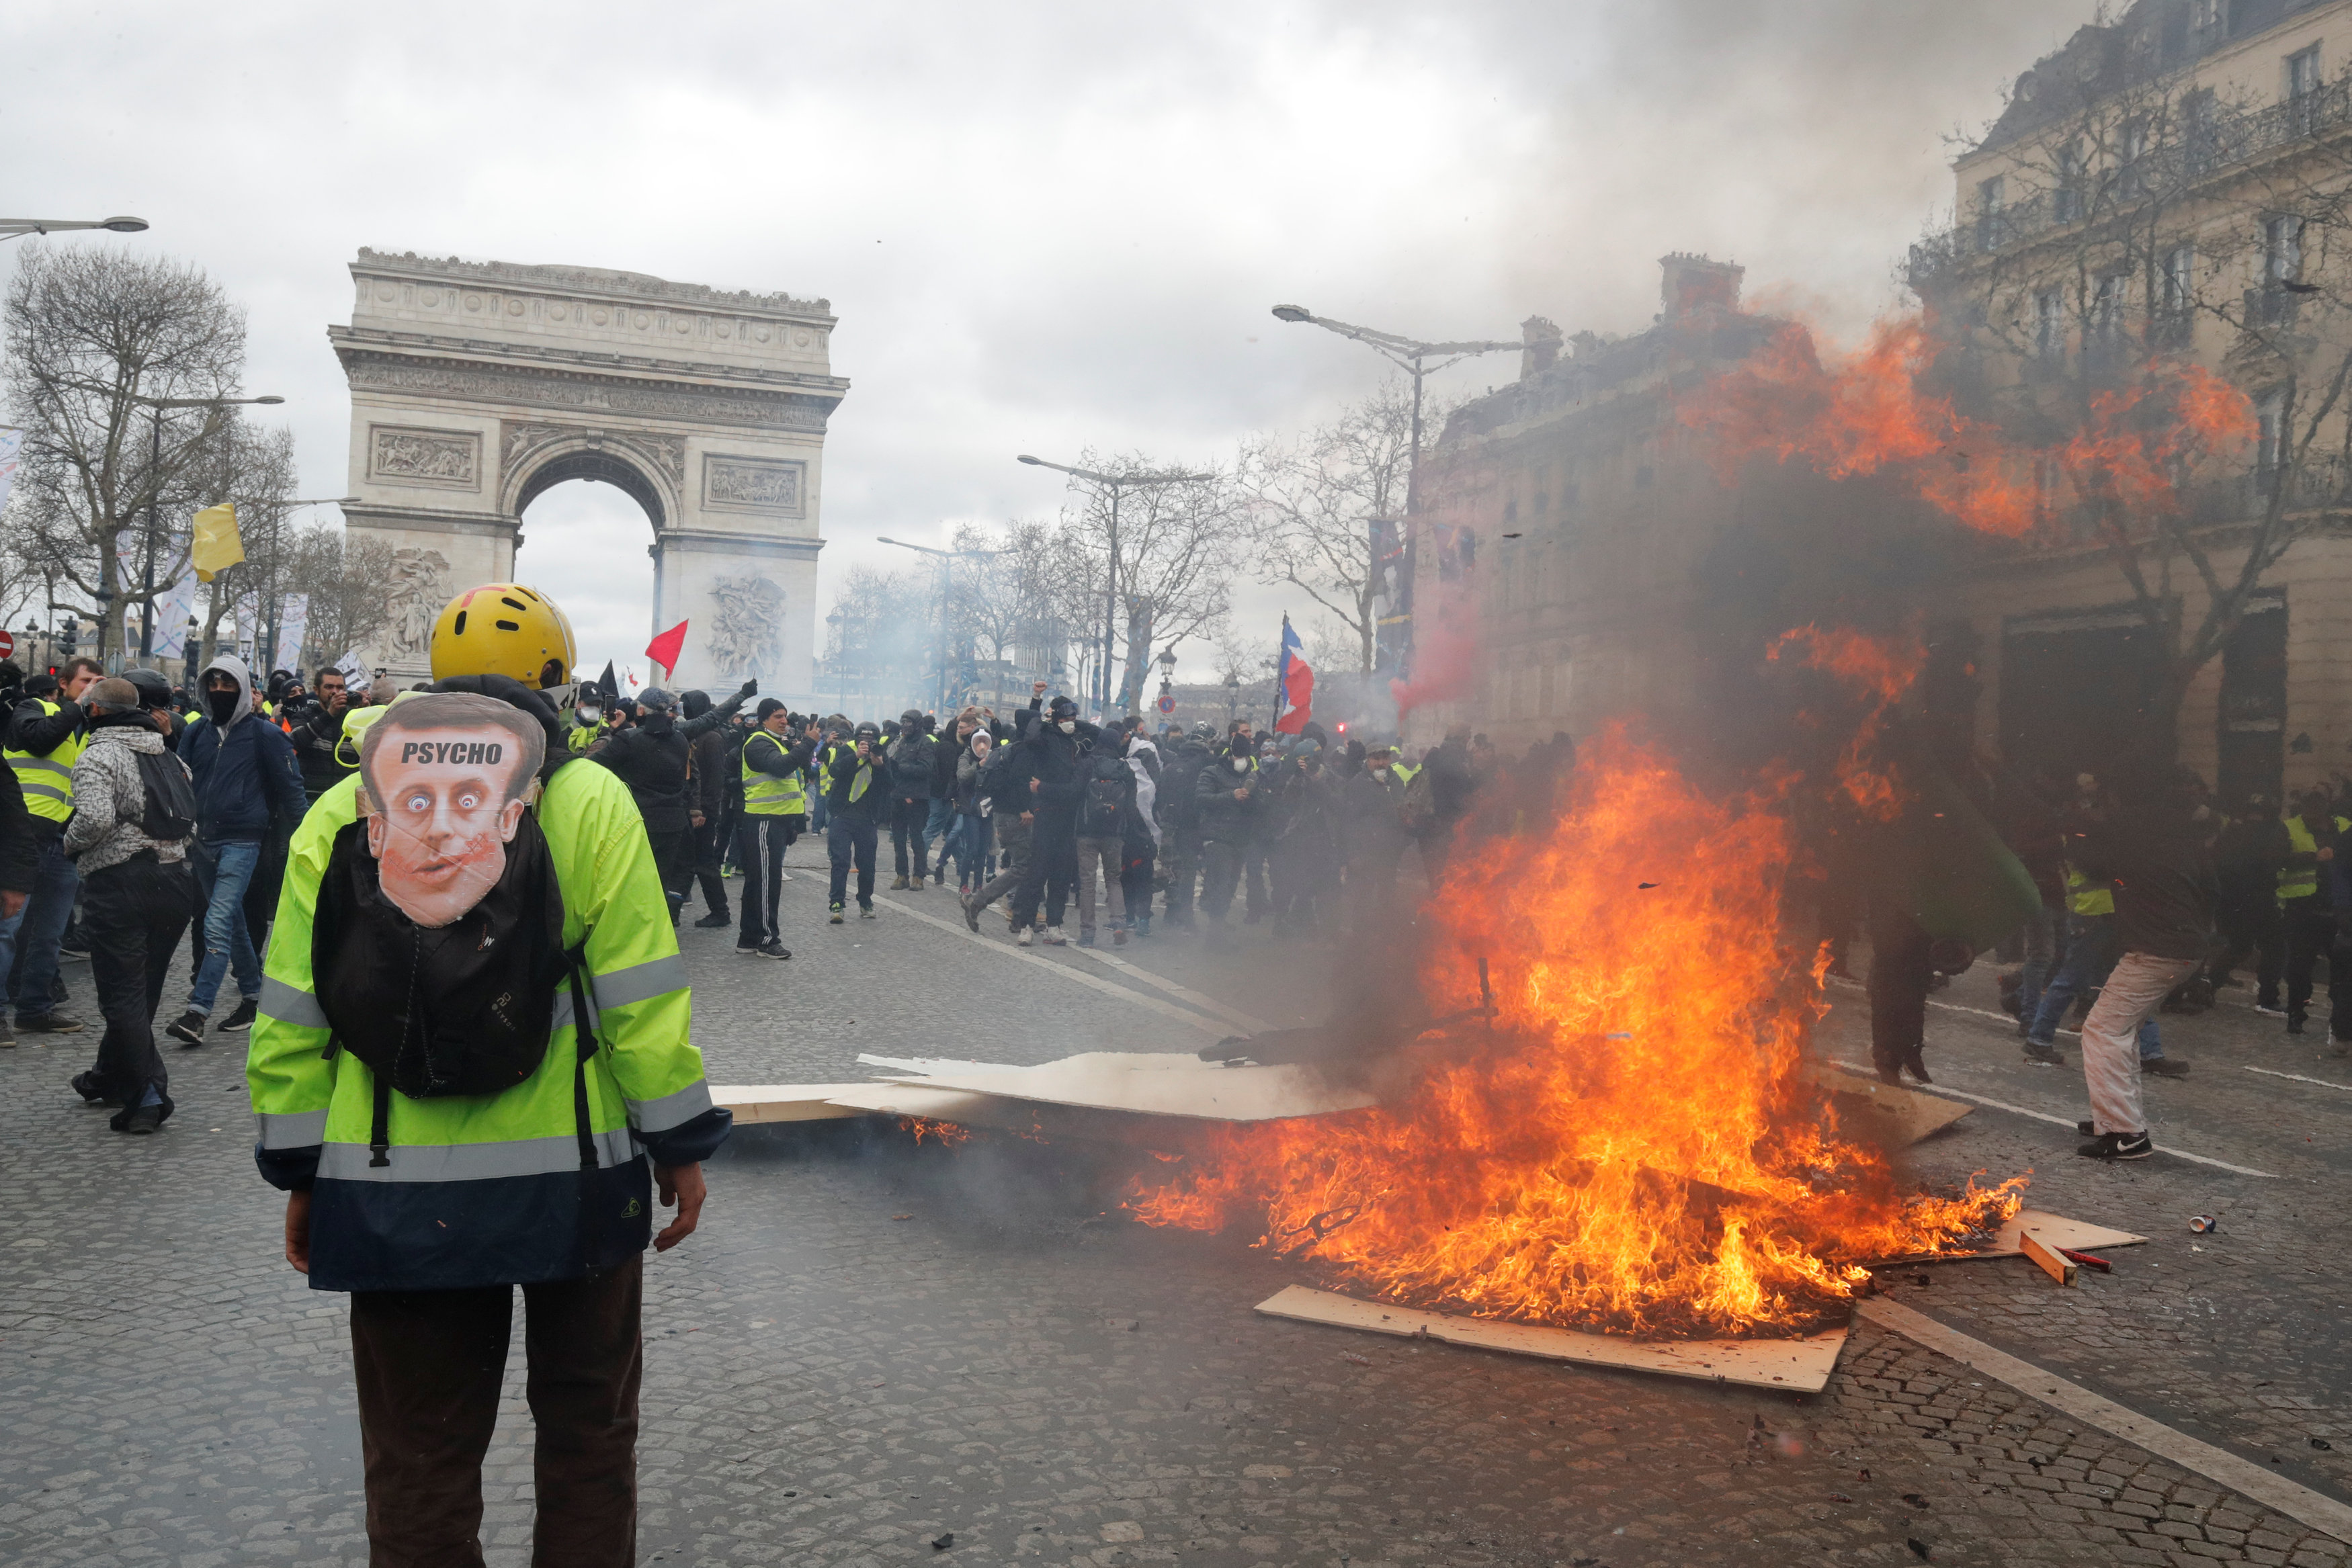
1180	818
715	754
651	758
1372	837
248	790
1004	785
914	760
1304	848
1105	808
1051	772
129	843
1226	797
1140	854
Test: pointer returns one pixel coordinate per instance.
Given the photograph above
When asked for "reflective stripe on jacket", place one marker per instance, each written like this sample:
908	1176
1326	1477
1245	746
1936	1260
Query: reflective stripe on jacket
489	1189
48	781
766	794
2294	880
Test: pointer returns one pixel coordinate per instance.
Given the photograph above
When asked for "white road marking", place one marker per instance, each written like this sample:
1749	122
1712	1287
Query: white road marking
2167	1148
1205	1003
1153	1004
2299	1078
1952	1007
2219	1466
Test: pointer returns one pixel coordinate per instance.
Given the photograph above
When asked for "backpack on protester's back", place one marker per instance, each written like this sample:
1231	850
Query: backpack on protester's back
170	812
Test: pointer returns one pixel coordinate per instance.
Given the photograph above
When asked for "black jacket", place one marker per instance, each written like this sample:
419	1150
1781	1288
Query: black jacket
650	758
841	767
1180	775
315	736
1106	796
2165	891
1223	818
1055	762
914	766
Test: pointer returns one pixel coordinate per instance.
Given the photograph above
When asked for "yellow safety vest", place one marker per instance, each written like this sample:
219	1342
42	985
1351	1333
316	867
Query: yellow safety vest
2084	896
765	794
857	785
2294	880
579	736
48	781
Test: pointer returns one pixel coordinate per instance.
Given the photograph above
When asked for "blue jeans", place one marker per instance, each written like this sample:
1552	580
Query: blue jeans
222	873
31	949
941	825
2091	952
968	842
2040	950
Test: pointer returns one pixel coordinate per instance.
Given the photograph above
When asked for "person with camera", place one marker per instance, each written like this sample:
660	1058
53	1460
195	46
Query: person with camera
315	726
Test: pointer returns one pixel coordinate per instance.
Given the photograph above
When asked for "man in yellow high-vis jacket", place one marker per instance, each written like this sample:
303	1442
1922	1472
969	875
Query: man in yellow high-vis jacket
45	734
2306	882
428	1206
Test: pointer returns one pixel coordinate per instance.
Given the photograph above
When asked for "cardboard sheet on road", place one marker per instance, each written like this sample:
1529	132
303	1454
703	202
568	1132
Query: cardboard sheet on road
2055	1231
1887	1114
1797	1366
756	1103
1159	1084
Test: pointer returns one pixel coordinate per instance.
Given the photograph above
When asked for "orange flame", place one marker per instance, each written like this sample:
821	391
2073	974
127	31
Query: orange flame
1634	1147
1883	673
947	1135
1868	411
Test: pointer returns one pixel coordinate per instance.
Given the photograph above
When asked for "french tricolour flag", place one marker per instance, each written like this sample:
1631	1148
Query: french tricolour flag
1295	682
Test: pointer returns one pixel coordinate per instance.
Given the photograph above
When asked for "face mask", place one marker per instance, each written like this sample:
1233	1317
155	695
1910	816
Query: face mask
1067	726
220	704
591	714
1241	764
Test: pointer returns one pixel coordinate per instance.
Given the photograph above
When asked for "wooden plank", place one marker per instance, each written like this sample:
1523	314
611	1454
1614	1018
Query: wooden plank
2055	1231
1887	1114
1165	1085
2059	1269
1796	1365
756	1103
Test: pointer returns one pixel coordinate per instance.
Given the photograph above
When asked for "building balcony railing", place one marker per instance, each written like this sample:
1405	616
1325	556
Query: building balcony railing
2208	145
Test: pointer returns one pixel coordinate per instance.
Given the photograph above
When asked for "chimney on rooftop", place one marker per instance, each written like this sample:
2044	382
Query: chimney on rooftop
1541	349
1691	281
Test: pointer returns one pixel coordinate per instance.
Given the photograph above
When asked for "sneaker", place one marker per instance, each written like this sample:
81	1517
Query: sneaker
971	912
726	871
865	910
1915	1064
2269	1011
146	1119
2166	1067
1119	937
49	1023
2294	1023
772	949
1054	938
1022	937
747	949
835	918
2117	1146
73	951
2087	1129
240	1020
2039	1055
897	884
188	1028
715	919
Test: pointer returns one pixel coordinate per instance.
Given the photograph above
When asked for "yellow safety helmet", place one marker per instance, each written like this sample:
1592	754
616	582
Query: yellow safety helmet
504	629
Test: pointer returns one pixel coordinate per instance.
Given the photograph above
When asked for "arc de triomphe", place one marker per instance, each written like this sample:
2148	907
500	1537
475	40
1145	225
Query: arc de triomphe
477	385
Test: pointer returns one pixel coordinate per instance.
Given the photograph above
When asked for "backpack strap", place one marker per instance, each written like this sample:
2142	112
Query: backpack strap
380	1131
584	1040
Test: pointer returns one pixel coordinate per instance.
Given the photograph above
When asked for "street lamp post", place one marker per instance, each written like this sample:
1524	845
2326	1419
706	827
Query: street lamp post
1412	356
1114	483
155	407
17	228
947	557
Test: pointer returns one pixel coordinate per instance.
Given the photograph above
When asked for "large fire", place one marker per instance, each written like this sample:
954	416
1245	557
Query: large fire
1634	1147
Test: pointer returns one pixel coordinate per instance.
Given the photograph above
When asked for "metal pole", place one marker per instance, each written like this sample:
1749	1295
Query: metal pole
1110	611
1412	528
147	578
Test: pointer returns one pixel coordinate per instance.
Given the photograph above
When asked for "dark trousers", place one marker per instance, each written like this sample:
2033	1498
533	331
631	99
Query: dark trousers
1182	855
908	814
1897	985
1134	880
708	840
1012	866
760	845
133	915
2311	934
674	864
1253	857
2250	927
1053	867
1220	865
428	1365
854	837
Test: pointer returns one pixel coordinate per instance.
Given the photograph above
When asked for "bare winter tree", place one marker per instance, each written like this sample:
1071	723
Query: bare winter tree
343	575
2142	229
89	332
1178	548
261	483
1312	507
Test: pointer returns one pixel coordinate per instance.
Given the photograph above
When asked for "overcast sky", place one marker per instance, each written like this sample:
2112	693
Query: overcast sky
1043	226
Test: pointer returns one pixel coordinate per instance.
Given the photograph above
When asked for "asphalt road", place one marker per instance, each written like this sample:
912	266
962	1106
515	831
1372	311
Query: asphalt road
871	1345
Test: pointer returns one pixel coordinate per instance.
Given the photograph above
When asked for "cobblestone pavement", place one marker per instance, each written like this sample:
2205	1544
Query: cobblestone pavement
871	1345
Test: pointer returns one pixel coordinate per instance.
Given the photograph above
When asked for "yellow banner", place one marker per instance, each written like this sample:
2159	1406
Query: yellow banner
216	547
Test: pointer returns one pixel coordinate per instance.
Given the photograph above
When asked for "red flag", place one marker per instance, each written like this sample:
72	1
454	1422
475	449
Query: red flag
1297	681
665	649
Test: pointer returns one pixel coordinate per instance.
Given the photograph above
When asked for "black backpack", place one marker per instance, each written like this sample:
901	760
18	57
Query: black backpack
1108	784
170	813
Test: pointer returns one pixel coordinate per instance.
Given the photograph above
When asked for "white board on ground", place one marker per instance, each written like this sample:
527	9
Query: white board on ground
1165	1085
2055	1231
753	1102
1887	1114
1798	1365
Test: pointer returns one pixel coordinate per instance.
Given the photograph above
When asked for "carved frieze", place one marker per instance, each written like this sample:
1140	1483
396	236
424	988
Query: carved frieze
754	485
415	597
747	625
566	390
448	459
521	440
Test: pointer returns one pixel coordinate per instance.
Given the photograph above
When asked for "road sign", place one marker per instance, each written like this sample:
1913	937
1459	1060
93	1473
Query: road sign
1168	701
8	644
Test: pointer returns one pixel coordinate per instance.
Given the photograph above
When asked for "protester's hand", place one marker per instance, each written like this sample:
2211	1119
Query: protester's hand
748	689
1033	786
12	905
680	1186
298	1231
2325	854
1037	688
1028	816
696	816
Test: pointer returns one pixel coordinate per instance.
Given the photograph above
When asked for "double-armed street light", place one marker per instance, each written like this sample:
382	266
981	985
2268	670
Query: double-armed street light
1114	483
1413	357
947	557
17	228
